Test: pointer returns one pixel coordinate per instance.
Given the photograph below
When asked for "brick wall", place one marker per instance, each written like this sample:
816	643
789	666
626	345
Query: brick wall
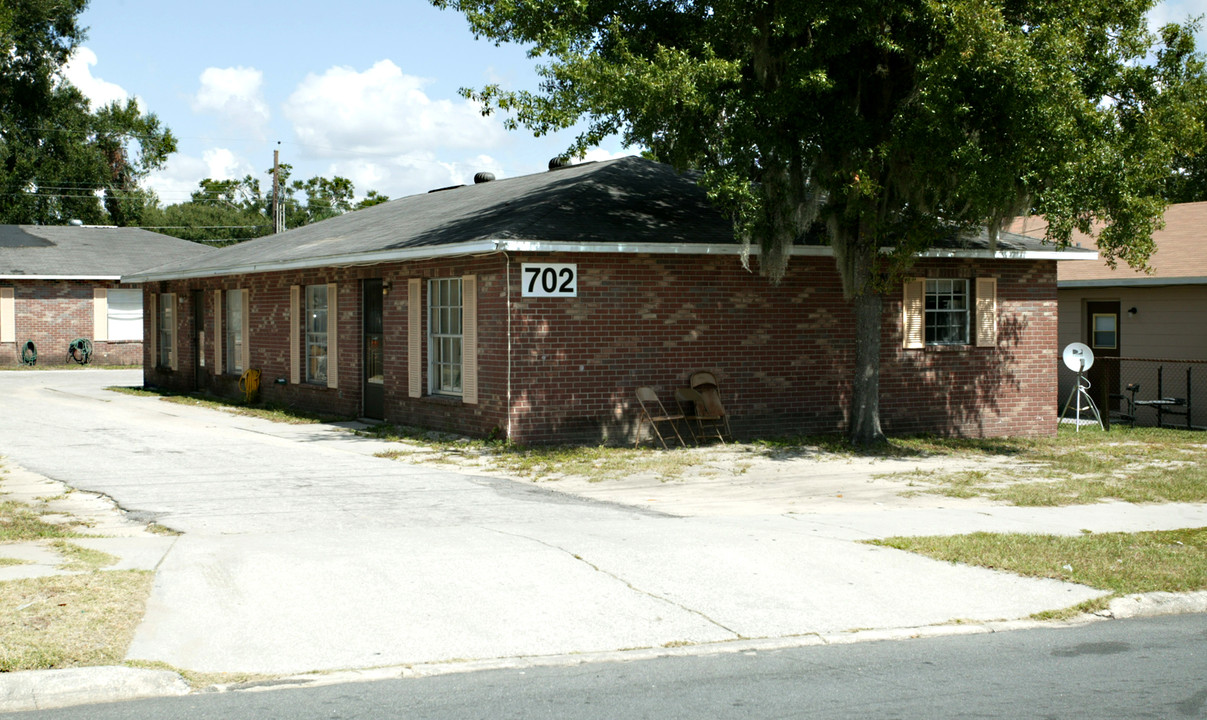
52	313
980	392
782	354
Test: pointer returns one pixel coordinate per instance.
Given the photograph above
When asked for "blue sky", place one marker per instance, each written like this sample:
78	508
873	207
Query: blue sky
366	89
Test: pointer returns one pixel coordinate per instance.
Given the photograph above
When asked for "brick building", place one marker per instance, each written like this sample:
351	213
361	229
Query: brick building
62	283
533	306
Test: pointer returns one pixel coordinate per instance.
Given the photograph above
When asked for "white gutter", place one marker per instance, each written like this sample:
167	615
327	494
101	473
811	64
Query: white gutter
1132	282
478	247
60	277
1070	254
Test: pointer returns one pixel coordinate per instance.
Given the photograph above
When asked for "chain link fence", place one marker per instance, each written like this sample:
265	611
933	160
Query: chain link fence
1148	392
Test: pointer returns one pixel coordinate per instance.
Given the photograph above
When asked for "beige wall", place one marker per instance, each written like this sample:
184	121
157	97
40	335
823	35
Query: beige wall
1170	324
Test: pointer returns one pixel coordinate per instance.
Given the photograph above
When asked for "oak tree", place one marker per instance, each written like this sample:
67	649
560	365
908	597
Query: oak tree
885	126
59	159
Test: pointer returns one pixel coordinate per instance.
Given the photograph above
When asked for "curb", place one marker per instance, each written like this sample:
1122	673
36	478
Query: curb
46	689
1156	603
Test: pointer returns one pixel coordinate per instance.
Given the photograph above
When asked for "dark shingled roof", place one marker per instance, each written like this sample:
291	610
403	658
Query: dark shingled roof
87	252
629	200
615	205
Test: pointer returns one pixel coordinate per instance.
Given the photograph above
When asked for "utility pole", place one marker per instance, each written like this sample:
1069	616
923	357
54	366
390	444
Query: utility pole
278	207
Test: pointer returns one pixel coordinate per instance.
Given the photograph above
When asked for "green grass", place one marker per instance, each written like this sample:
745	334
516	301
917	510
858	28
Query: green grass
1121	563
76	557
265	411
1138	465
20	522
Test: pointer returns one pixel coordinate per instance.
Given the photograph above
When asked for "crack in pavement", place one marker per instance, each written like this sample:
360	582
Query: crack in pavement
736	635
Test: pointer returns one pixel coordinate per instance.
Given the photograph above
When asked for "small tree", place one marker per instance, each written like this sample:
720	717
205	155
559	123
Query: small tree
889	125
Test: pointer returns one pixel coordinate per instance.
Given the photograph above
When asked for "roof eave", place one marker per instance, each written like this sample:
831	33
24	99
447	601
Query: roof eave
60	277
477	247
1130	282
1002	254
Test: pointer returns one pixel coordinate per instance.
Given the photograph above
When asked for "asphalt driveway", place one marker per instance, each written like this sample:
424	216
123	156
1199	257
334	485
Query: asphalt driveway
302	551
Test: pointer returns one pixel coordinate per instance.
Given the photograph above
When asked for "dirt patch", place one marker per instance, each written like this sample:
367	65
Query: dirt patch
733	480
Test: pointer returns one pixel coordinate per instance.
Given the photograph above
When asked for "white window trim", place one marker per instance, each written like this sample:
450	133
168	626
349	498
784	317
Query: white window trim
434	338
299	301
965	335
982	314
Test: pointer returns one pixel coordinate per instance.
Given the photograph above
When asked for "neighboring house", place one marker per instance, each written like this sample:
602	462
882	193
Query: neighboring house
1128	313
533	307
61	283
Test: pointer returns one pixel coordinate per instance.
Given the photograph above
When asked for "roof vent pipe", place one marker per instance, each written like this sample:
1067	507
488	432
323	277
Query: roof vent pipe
558	163
483	177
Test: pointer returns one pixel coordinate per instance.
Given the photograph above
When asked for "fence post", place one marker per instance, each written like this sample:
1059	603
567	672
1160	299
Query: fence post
1160	395
1189	398
1104	405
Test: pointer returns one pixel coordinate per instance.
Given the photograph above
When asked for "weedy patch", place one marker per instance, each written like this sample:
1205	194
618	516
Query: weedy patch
538	463
203	680
264	411
1139	465
76	557
1121	563
20	522
70	620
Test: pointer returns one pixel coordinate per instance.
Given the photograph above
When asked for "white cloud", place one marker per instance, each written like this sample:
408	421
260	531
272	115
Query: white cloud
176	182
235	94
411	173
600	154
78	72
383	111
225	165
1179	11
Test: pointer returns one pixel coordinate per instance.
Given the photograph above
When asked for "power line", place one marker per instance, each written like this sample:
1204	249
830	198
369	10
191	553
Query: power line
201	227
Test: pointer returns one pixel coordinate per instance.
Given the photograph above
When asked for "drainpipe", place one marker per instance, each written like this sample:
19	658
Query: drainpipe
508	257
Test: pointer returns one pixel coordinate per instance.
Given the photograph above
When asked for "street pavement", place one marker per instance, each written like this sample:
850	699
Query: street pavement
302	552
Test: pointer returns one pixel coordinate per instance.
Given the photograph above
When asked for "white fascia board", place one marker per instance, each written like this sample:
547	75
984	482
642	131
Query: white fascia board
1131	282
478	247
650	248
60	277
1012	254
370	258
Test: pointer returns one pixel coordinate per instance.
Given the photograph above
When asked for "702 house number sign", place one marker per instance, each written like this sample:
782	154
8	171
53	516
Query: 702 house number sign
549	279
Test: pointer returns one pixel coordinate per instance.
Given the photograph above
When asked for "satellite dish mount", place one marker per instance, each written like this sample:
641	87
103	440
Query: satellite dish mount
1078	357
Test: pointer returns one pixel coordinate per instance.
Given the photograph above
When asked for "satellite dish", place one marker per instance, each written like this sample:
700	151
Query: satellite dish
1078	357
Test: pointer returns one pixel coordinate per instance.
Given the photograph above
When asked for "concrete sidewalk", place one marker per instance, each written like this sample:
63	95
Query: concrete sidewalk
303	552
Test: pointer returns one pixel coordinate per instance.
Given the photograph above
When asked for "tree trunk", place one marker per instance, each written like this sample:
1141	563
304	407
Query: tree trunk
865	386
